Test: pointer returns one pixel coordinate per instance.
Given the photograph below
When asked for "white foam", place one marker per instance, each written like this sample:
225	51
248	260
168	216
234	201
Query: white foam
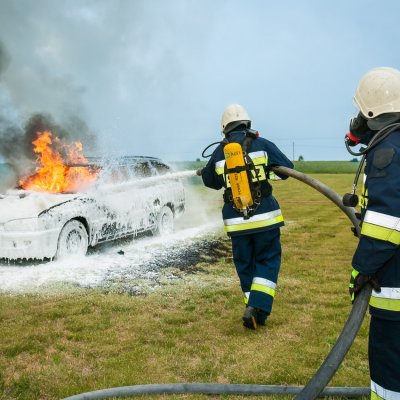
97	268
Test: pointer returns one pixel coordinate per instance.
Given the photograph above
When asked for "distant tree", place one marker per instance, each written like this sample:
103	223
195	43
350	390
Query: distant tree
354	160
301	158
197	159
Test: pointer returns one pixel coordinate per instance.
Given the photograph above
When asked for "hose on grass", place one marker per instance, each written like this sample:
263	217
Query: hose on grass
216	389
316	387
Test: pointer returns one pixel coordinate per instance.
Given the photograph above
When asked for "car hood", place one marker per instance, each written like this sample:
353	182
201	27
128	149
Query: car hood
15	204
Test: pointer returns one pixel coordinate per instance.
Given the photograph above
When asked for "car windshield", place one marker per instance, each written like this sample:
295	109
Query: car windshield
122	170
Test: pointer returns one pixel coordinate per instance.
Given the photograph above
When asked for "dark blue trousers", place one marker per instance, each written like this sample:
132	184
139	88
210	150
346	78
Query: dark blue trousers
384	356
257	258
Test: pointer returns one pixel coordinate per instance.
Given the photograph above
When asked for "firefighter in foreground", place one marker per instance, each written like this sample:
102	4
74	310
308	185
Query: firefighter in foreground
241	164
377	257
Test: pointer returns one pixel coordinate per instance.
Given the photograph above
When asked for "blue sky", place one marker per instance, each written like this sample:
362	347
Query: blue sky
152	77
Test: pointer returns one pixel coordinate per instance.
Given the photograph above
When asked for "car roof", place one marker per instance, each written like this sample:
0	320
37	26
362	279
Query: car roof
117	161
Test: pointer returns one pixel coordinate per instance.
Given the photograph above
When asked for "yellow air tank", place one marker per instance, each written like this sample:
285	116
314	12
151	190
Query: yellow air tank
239	181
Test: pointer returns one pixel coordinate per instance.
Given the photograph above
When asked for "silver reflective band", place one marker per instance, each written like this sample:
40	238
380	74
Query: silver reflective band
254	218
387	293
259	154
264	282
384	220
378	392
219	164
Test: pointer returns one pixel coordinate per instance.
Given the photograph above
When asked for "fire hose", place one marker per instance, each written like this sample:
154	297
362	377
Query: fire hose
316	387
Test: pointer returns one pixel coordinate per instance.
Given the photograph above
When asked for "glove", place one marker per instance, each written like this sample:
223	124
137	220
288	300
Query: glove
199	171
353	228
358	281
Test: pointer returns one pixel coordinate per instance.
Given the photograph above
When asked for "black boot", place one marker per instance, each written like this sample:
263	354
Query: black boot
250	318
261	318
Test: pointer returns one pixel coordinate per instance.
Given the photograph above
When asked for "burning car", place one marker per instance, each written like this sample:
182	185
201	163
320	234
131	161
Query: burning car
71	203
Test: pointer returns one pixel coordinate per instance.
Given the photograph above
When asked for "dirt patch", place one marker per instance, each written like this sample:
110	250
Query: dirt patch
189	259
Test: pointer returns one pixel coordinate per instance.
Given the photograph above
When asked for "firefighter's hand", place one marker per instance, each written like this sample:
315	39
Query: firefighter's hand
353	228
199	171
358	281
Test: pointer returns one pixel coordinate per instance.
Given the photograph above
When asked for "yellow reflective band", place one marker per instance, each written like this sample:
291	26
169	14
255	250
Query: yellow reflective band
219	171
263	288
246	296
374	396
380	232
363	199
259	161
385	304
274	177
354	273
254	225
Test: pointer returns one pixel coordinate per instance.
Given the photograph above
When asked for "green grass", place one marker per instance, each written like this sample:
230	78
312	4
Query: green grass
326	167
54	346
308	167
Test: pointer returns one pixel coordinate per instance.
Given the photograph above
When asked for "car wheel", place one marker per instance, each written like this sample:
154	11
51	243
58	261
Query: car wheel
73	240
165	221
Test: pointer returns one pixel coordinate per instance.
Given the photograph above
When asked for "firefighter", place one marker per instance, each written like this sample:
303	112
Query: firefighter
377	257
254	230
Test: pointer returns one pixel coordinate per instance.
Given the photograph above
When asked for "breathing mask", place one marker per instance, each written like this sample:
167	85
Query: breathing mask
368	132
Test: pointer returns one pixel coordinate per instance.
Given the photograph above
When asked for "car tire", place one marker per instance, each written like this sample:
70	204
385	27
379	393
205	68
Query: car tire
165	222
73	240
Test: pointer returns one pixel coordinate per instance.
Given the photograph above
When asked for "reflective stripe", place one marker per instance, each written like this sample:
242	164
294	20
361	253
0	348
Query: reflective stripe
219	167
381	233
274	177
263	285
264	289
354	273
363	199
258	157
257	221
384	220
380	393
381	226
266	282
387	299
246	296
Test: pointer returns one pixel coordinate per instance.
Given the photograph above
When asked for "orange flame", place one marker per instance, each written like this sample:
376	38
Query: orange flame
54	174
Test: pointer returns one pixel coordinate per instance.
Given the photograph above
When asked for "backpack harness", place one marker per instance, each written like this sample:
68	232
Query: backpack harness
246	191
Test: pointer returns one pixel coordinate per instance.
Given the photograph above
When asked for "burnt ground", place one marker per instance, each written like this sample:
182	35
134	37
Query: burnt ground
188	260
170	264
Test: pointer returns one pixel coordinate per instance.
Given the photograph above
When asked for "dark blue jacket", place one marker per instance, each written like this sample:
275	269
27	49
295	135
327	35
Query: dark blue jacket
378	250
264	155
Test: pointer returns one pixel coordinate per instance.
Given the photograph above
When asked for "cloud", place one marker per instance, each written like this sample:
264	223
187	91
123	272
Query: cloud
4	58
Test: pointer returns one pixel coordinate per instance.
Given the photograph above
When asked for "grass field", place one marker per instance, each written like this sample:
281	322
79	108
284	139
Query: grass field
308	167
56	346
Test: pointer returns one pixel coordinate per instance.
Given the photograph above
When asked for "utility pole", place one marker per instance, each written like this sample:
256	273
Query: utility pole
293	151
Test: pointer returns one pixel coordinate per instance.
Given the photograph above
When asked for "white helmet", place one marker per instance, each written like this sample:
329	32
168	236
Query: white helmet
378	92
232	113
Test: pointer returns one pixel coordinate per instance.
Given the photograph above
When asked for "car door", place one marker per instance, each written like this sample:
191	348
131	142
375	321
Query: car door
121	203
